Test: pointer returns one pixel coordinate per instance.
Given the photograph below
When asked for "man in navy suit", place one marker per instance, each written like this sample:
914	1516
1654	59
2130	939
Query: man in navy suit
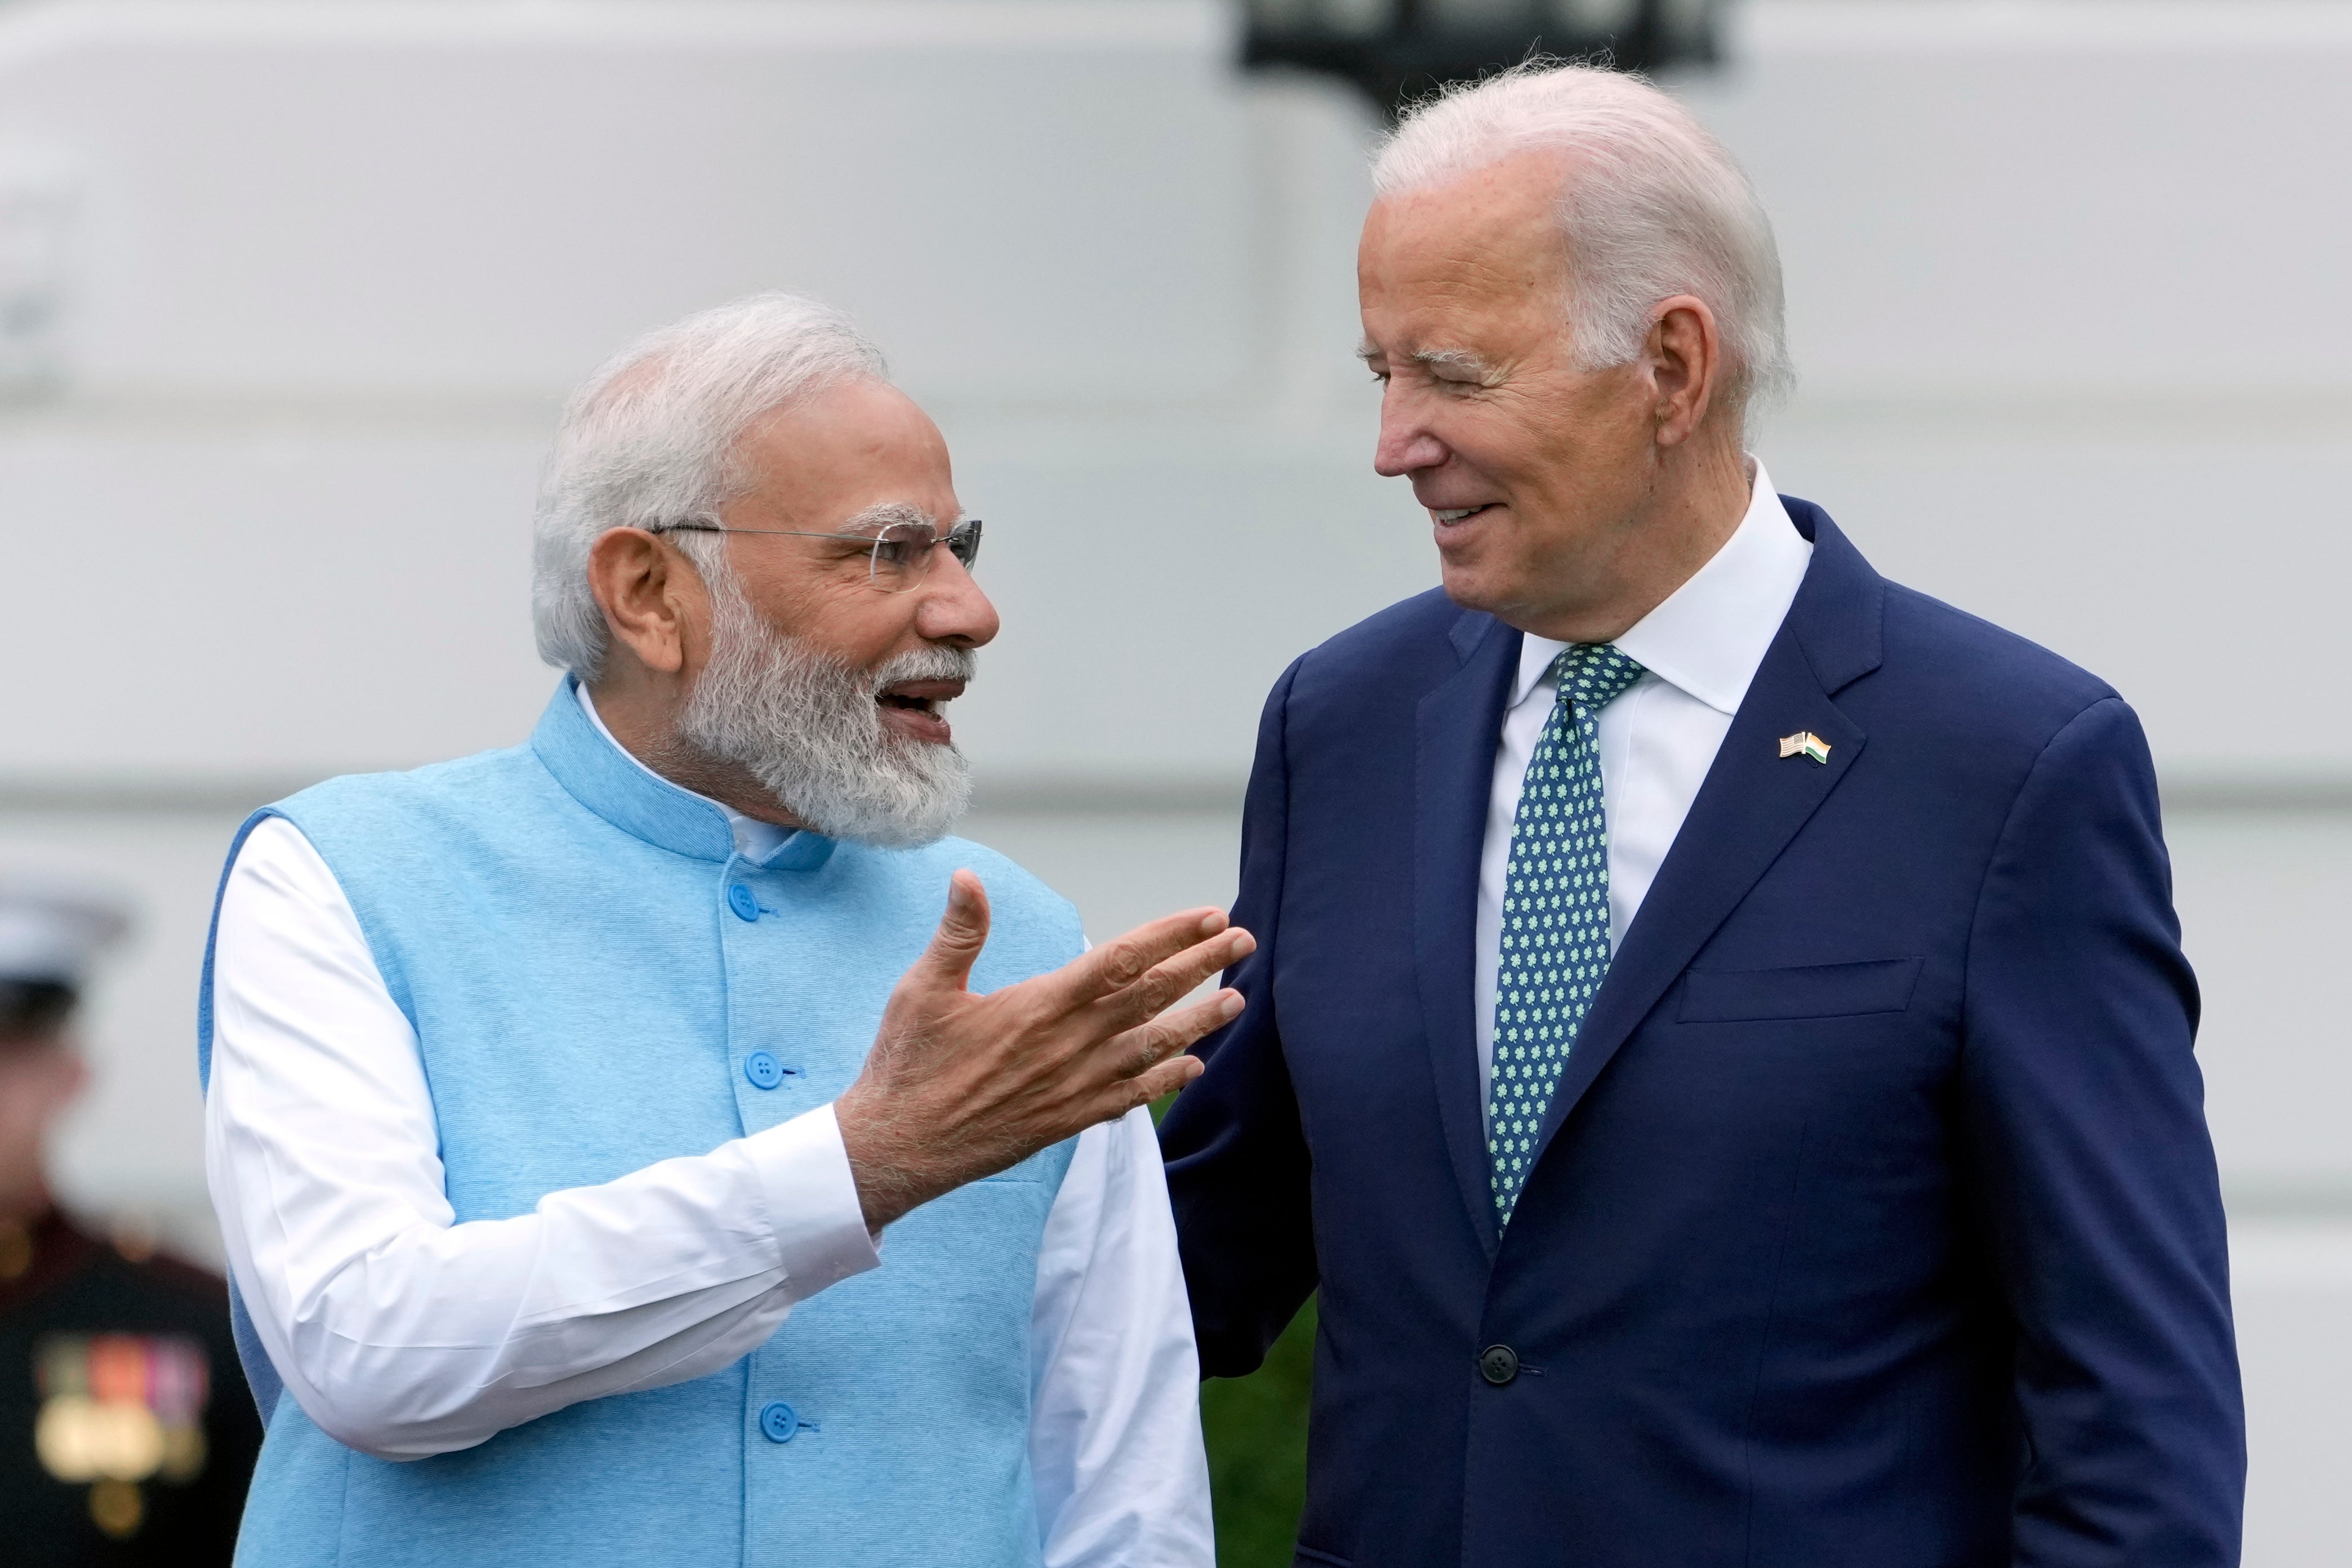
1718	1038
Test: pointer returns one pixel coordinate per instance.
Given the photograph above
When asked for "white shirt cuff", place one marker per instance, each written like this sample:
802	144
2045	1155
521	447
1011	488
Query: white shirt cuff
813	1205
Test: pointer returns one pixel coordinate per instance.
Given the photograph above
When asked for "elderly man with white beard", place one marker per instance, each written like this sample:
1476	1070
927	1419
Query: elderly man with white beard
559	1098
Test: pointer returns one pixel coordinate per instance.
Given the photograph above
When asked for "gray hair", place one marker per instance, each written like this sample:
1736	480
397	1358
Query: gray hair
654	438
1654	208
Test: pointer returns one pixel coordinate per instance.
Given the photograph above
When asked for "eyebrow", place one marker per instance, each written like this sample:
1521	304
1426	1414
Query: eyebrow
1457	359
884	513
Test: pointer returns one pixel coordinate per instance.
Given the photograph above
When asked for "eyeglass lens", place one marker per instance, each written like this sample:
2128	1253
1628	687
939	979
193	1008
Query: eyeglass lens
902	552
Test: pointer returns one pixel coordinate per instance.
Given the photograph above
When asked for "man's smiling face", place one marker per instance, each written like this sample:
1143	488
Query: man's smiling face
1535	471
846	461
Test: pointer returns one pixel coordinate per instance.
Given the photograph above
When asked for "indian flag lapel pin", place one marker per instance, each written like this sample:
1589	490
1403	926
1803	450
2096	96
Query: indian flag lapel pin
1805	744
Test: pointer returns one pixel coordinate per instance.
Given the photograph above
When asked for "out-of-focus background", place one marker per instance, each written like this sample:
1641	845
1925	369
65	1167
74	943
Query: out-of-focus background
289	293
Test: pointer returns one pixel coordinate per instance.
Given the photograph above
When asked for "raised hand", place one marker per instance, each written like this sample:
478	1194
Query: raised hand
959	1086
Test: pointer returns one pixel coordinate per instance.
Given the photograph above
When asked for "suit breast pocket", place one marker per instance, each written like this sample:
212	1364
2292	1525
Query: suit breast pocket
1816	991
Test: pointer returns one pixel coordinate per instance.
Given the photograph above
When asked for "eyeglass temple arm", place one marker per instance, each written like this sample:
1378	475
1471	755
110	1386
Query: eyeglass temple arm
968	528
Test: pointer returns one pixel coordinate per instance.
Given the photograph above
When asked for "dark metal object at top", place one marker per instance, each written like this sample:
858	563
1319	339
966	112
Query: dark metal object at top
1399	50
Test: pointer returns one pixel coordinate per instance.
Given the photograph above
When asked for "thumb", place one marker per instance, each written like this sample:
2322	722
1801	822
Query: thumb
963	931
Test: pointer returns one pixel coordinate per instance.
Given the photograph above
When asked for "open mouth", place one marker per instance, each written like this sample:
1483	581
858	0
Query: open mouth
916	708
1443	515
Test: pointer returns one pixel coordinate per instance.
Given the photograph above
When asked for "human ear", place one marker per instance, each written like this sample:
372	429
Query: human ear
646	595
1685	361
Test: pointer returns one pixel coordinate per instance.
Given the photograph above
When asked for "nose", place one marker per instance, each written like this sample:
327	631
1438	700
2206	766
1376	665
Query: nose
953	609
1407	444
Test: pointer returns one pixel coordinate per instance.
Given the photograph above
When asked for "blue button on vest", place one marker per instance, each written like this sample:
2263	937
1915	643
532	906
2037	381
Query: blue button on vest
561	928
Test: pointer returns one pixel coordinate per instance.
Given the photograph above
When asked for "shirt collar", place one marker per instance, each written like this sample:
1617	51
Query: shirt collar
604	776
1710	634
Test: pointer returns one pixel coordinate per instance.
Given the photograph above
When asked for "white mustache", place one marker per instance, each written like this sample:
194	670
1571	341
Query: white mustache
933	662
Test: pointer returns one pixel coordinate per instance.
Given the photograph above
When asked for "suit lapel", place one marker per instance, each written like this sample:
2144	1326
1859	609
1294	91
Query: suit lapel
1459	725
1754	800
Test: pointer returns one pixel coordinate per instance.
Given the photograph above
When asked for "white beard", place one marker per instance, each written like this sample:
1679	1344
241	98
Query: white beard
808	728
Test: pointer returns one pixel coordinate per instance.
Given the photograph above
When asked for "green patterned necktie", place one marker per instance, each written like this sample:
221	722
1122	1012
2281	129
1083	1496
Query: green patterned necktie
1555	946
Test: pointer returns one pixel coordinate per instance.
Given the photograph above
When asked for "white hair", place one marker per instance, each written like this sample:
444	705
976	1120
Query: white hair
1651	206
807	726
654	437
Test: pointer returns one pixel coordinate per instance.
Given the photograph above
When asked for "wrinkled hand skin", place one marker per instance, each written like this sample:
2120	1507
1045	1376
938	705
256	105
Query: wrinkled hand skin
959	1086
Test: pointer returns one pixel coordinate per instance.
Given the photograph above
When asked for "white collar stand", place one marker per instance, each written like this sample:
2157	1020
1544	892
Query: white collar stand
1709	634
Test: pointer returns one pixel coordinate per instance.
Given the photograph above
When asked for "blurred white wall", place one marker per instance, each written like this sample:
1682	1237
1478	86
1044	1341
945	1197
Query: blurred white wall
2065	280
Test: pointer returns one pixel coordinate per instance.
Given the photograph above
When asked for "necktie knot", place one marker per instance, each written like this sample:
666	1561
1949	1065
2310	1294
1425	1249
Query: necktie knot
1591	675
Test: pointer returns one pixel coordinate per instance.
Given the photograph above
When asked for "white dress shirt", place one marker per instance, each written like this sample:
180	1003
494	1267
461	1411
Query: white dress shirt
1700	649
406	1334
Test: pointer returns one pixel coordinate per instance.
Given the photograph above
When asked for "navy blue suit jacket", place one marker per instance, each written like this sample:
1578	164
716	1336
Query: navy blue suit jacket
1875	1220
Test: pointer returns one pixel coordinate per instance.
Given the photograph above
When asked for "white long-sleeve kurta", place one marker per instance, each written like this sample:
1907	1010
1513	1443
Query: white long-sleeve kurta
406	1334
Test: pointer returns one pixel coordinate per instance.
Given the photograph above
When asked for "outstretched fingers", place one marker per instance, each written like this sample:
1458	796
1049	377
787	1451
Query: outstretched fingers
1115	966
963	931
1166	1078
1170	981
1121	1094
1148	1047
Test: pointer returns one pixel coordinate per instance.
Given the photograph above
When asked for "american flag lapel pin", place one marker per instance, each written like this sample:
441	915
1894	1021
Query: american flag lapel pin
1805	744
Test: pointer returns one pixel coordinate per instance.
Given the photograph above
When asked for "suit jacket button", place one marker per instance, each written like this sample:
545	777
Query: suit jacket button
1498	1364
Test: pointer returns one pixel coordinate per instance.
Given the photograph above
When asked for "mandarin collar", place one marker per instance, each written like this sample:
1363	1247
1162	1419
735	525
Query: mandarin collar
595	771
1709	635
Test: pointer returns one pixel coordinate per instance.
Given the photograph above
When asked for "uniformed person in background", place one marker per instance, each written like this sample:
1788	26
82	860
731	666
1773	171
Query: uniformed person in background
126	1433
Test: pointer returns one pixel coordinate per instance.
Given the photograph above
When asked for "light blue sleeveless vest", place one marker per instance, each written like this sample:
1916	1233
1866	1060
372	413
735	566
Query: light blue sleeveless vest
588	965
